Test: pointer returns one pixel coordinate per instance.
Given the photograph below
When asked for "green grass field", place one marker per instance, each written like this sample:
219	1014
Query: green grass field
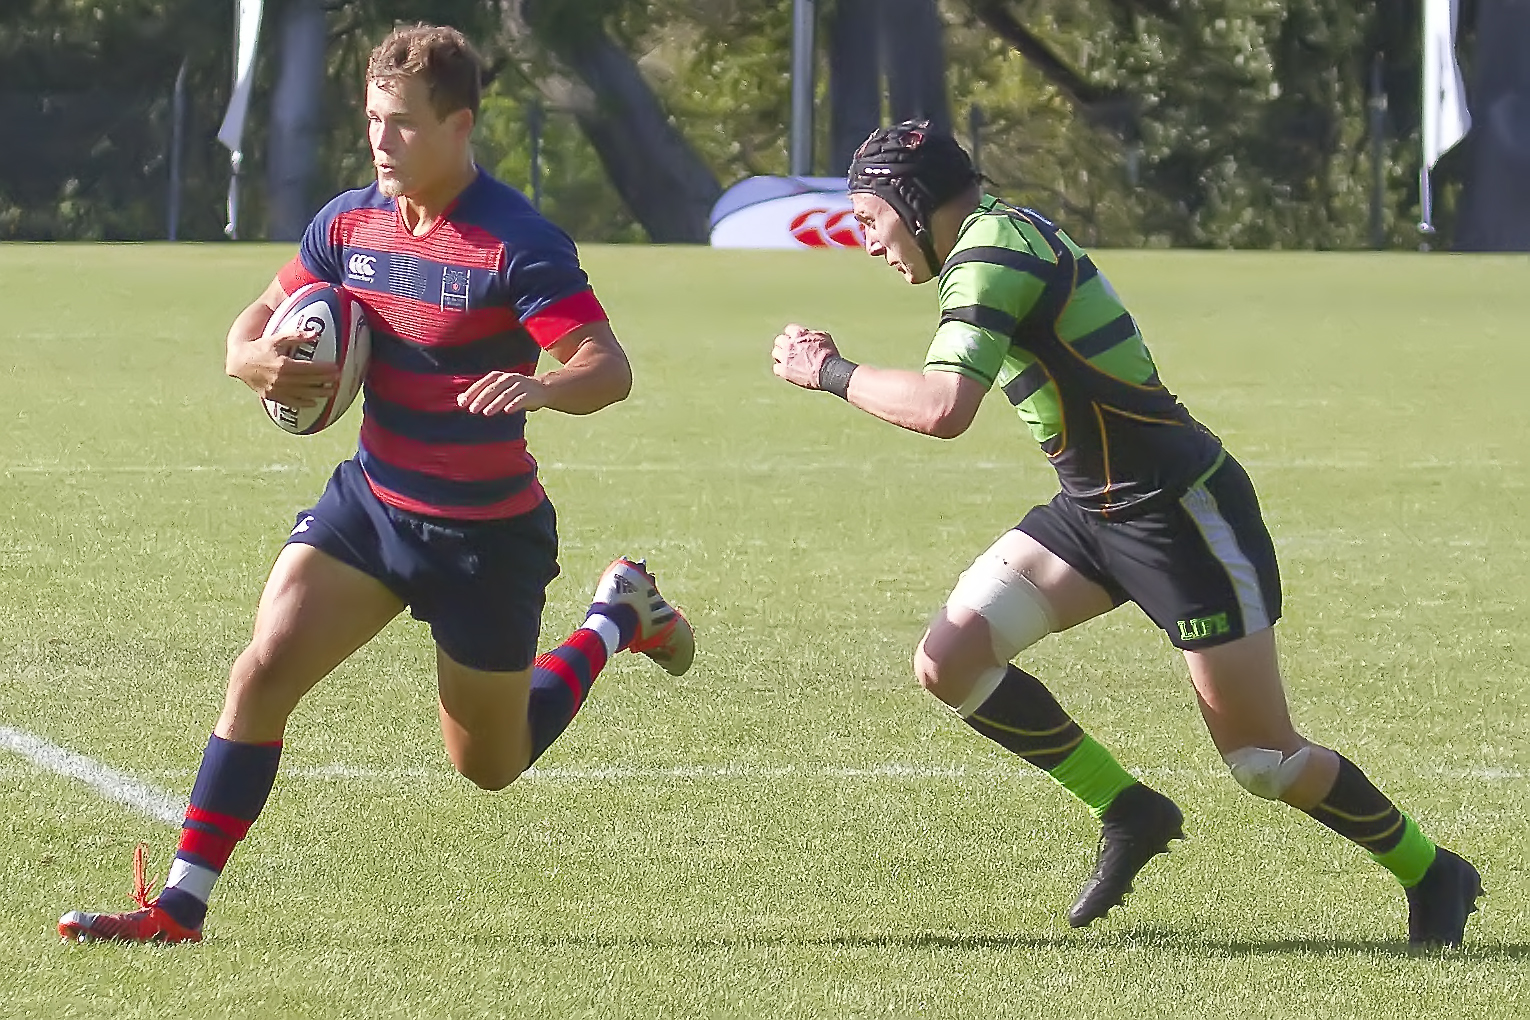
794	829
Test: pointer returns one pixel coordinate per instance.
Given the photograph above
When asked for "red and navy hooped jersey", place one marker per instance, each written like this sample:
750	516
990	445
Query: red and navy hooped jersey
485	289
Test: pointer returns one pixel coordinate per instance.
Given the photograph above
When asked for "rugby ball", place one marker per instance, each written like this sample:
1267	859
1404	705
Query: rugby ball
336	324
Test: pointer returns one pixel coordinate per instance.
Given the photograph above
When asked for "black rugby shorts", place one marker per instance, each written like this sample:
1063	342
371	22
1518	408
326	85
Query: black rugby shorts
1202	567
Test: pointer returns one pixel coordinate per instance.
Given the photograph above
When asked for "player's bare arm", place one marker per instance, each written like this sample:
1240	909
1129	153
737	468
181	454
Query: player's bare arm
939	404
265	364
593	373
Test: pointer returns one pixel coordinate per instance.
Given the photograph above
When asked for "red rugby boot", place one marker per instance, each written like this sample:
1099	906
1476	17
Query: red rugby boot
147	924
664	634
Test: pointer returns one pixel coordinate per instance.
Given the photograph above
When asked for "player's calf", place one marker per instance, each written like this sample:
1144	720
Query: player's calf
1442	888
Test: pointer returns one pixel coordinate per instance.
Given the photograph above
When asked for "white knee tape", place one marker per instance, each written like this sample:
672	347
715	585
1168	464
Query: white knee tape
982	690
1264	772
1018	614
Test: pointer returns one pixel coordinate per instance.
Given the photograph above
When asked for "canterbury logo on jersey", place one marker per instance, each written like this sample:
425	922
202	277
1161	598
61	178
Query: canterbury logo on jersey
362	267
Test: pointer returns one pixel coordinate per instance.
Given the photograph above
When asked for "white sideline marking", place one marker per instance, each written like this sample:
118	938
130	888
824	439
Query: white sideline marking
754	467
647	467
338	772
138	795
110	783
620	773
143	469
754	773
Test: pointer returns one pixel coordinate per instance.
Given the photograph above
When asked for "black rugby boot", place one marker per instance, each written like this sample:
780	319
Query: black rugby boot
1136	827
1443	899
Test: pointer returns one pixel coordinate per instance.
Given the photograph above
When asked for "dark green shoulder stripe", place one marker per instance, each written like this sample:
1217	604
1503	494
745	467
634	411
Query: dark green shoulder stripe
1010	258
1086	272
1118	330
1024	386
961	367
983	317
1107	336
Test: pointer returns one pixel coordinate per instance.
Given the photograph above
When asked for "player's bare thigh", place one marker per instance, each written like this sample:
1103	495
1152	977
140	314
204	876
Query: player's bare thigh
314	612
958	647
484	721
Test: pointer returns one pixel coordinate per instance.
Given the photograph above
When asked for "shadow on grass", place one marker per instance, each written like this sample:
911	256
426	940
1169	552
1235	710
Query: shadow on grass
1196	943
1166	940
1187	943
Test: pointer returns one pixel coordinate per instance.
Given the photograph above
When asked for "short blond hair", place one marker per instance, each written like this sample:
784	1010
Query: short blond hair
438	55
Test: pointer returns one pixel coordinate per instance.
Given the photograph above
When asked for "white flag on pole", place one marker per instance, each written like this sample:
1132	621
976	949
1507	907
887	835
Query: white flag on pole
1446	118
244	72
232	131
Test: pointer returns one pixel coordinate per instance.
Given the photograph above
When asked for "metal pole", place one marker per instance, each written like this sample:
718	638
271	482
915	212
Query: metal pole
975	132
1378	107
803	52
534	122
236	167
177	129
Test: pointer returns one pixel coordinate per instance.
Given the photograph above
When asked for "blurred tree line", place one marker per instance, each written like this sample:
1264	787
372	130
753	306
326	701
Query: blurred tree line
1218	123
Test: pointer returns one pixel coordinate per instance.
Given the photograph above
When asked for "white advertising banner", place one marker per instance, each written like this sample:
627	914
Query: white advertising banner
785	212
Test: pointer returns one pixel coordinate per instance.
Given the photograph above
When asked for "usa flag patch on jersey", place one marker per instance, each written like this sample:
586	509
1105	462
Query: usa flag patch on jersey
454	289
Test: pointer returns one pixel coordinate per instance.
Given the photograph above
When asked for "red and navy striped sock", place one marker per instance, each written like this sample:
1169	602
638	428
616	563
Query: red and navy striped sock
232	785
561	679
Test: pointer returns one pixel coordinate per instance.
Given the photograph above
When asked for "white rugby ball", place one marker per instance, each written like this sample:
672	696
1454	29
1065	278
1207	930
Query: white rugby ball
338	335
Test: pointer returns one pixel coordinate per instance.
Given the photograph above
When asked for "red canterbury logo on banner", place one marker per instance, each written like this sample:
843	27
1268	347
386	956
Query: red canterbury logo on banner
822	228
796	213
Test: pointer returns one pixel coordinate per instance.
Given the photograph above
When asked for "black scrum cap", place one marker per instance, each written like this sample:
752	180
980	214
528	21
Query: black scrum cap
916	169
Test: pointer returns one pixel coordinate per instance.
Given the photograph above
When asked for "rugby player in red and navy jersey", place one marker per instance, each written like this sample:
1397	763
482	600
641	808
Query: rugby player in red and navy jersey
440	511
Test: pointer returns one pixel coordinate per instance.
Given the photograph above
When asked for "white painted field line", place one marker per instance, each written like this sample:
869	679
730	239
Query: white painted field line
758	467
138	795
143	469
642	467
111	784
623	773
746	773
759	773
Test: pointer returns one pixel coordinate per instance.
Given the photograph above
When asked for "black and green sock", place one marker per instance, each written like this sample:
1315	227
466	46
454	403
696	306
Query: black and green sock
1022	716
1362	814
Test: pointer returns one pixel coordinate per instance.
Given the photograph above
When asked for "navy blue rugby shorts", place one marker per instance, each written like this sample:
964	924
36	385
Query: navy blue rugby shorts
481	585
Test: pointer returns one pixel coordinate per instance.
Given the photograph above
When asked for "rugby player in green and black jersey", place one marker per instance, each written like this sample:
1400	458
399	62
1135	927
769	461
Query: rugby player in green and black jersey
1152	510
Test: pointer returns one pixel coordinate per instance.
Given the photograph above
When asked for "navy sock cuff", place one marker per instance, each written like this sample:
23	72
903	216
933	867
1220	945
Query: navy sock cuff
235	778
186	909
625	618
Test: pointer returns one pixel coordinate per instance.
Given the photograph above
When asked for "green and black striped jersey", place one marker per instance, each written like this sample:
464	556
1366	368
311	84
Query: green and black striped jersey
1023	307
